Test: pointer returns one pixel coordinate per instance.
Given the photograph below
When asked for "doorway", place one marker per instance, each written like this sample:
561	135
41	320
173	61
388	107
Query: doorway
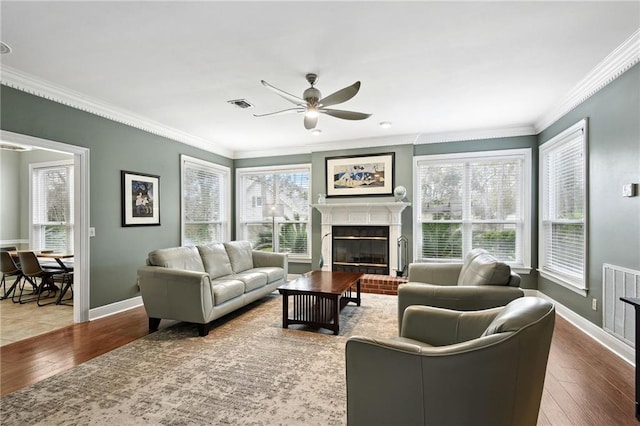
81	213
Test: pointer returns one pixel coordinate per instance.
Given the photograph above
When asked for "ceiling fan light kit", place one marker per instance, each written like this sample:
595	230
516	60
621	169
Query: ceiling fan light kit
312	104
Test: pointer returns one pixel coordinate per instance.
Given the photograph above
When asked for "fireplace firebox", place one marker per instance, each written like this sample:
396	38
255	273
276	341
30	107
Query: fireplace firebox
360	249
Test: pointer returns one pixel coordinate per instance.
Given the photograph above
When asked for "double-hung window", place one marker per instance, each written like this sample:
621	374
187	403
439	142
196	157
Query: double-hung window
52	206
563	207
273	208
206	189
473	200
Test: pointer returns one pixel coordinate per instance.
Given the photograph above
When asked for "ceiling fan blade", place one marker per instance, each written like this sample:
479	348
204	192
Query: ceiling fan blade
310	122
346	115
341	95
284	111
288	96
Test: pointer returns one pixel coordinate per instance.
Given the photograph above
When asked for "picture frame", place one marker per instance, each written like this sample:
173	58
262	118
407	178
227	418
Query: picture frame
140	199
369	175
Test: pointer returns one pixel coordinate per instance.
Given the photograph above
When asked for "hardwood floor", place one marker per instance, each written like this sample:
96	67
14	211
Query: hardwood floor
585	383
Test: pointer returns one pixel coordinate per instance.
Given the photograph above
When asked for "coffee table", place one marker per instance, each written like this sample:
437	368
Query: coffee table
318	298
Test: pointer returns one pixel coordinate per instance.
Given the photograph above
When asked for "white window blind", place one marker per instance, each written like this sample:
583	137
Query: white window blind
273	208
475	200
563	207
205	201
52	206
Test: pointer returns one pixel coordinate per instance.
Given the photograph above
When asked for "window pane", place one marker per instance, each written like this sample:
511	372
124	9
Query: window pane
495	190
293	238
56	237
497	239
442	240
202	233
442	186
566	250
260	236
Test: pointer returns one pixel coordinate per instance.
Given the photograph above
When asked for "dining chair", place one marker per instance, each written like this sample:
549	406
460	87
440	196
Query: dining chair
32	271
66	284
9	269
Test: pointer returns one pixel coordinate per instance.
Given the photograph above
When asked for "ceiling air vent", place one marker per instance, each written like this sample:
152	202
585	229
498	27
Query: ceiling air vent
240	103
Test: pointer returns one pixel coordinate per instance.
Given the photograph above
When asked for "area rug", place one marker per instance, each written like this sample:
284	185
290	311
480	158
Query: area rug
248	370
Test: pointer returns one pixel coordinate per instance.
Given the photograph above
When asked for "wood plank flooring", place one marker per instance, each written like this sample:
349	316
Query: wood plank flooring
585	383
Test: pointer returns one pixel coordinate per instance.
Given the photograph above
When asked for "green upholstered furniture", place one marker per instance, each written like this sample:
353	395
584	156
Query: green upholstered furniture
451	367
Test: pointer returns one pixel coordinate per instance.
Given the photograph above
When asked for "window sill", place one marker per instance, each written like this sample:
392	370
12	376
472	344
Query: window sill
522	270
557	279
299	259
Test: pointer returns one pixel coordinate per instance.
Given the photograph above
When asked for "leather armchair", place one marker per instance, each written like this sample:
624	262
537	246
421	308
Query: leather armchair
481	282
453	367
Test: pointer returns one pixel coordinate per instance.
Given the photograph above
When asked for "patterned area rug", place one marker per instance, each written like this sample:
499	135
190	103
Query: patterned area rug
248	370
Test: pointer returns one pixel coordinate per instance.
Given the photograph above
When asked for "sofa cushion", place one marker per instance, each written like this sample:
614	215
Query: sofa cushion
215	259
177	258
481	268
252	280
273	273
240	255
225	290
518	314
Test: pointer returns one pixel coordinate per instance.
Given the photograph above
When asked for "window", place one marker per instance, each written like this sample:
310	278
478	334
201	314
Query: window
205	201
274	208
563	212
52	206
473	200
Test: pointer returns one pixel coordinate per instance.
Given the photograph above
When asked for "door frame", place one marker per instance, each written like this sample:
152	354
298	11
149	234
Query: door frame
81	210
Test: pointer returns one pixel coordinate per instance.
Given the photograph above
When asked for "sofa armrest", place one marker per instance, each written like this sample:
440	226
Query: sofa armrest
438	326
461	298
176	294
435	273
263	259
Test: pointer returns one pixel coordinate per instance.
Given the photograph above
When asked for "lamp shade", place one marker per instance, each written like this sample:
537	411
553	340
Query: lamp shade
272	210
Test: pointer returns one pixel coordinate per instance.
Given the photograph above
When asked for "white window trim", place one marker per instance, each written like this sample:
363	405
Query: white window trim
525	266
576	286
226	171
42	165
263	169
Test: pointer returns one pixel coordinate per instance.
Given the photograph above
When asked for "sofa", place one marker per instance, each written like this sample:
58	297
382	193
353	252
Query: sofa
450	367
480	282
199	284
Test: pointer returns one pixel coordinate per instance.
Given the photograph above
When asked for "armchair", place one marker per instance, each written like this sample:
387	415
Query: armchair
481	282
465	368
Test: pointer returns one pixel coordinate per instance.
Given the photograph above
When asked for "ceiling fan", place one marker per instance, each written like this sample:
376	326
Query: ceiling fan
312	104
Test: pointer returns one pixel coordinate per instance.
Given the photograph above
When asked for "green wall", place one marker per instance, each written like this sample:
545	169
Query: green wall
614	159
116	252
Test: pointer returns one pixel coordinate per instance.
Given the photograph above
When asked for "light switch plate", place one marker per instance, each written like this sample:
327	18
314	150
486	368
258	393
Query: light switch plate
629	190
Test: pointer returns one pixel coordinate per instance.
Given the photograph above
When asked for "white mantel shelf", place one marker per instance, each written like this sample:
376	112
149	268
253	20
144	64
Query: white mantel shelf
367	213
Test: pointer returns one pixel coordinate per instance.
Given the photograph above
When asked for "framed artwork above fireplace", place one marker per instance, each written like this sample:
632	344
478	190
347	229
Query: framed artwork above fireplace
368	175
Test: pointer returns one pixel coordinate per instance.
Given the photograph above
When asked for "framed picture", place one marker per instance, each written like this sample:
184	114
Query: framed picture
140	199
360	175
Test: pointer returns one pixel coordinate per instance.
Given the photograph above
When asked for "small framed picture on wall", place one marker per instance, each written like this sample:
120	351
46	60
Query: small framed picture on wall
140	199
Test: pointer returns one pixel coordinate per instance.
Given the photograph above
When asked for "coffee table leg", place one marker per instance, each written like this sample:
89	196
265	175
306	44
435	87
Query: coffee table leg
285	310
336	314
358	293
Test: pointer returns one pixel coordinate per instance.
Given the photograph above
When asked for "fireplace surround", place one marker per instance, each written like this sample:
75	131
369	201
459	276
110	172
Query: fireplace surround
384	214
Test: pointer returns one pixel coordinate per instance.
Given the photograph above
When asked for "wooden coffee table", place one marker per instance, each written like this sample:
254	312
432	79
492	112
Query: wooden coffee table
318	298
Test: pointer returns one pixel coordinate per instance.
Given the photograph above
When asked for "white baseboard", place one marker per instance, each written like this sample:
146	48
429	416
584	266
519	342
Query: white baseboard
615	345
114	308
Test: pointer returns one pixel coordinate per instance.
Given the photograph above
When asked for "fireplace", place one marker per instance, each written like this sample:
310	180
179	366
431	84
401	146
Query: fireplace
339	216
360	249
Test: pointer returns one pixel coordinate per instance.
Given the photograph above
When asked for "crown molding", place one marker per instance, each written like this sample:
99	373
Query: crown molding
613	66
27	83
473	135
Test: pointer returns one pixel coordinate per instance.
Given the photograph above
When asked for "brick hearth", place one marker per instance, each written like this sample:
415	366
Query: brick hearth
380	284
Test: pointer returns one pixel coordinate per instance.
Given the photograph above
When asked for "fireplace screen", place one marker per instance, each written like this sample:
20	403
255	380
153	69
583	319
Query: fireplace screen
361	249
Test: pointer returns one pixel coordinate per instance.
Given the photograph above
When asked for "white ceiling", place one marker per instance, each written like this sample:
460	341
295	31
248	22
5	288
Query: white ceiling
428	67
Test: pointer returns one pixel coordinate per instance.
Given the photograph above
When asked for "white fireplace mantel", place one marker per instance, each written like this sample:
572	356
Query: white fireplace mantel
368	213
